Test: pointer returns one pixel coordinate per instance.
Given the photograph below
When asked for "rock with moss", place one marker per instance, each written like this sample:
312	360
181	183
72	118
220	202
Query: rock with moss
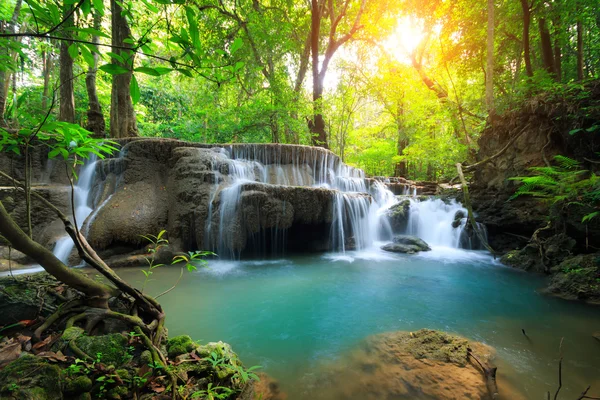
78	385
111	349
424	364
397	215
180	345
31	378
406	244
577	278
72	333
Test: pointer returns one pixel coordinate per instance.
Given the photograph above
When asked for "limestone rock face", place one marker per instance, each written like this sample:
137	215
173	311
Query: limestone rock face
195	192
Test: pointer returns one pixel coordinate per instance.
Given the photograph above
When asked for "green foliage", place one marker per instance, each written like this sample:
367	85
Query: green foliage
562	185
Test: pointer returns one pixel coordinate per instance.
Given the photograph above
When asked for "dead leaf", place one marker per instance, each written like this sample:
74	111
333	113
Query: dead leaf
9	353
43	343
156	387
52	356
195	356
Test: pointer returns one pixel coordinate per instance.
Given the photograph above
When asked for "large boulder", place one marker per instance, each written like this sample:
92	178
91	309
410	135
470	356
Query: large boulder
406	244
398	214
425	364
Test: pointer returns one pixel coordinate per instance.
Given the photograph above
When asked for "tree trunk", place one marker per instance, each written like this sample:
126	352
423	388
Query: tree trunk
580	73
547	53
317	127
489	81
526	48
47	58
122	114
557	50
5	52
97	292
66	111
96	123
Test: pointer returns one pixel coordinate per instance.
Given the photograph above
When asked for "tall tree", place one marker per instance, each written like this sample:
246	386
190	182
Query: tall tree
334	41
5	52
122	114
526	7
489	76
66	111
96	123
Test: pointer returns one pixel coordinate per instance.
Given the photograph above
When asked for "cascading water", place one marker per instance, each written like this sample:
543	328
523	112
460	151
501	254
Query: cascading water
356	219
441	223
64	245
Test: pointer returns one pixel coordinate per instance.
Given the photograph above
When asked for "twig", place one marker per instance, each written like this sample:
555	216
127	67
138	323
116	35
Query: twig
559	369
172	287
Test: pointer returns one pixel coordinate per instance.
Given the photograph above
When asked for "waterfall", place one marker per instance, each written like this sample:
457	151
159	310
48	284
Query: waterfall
442	223
64	245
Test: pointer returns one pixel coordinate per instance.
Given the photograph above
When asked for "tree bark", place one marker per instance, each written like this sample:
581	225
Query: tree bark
317	127
489	81
47	59
557	50
66	111
122	114
98	293
546	42
96	123
4	74
526	44
580	73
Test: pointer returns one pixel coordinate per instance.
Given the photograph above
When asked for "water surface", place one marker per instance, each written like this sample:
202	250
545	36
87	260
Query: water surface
295	314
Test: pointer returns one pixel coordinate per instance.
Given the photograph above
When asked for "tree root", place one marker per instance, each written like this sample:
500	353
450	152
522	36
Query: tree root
78	352
490	376
471	216
535	239
62	310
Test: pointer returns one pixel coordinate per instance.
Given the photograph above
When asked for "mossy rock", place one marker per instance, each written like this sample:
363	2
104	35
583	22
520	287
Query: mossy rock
117	393
179	345
577	278
31	378
78	385
112	348
72	333
423	344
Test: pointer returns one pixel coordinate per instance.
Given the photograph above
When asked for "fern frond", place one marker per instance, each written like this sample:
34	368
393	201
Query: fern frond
566	162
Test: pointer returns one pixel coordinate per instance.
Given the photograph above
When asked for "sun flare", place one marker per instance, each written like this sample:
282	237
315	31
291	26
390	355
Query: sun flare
404	40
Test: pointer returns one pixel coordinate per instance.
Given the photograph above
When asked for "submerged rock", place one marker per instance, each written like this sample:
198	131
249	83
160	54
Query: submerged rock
425	364
406	244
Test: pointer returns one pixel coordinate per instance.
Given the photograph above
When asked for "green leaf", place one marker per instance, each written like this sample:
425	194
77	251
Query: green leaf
73	50
87	56
98	6
574	131
147	71
113	69
236	45
593	128
134	90
116	56
185	72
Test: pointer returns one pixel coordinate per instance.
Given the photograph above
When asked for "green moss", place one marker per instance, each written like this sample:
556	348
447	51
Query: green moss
180	345
119	392
112	348
123	374
146	357
440	346
78	385
30	377
72	333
